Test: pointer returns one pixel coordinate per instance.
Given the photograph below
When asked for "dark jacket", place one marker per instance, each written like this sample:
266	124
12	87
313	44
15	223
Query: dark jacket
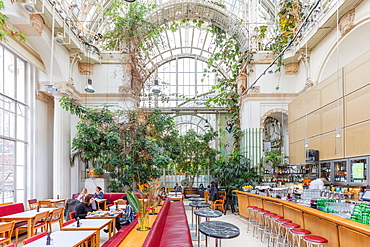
82	209
70	207
213	193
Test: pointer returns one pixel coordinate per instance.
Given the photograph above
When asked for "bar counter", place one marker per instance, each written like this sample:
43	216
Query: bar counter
340	232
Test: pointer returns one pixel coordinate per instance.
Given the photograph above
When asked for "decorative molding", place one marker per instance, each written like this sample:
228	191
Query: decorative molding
67	88
267	114
37	22
241	82
42	96
291	68
346	22
86	68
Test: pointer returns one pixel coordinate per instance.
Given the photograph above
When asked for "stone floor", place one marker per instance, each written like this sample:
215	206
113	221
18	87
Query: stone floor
244	239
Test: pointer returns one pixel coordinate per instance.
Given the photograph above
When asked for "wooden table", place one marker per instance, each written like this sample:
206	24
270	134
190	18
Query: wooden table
65	238
54	202
175	198
106	215
25	216
91	224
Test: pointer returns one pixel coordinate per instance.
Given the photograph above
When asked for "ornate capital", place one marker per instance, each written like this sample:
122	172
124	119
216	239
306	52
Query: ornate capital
346	22
86	68
37	23
67	88
291	69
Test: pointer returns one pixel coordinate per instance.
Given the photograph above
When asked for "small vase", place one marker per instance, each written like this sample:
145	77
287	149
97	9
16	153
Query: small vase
143	223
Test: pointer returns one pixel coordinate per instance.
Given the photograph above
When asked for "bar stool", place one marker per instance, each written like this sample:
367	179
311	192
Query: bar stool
262	226
278	238
315	241
297	236
273	226
260	220
250	213
287	227
268	225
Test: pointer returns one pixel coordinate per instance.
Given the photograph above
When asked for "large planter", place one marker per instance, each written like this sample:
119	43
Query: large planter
189	191
92	173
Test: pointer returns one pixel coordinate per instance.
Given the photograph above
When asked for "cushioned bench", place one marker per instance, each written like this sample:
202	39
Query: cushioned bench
170	227
111	197
120	235
11	209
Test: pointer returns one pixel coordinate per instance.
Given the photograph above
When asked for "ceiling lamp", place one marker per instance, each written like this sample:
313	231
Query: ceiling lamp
130	1
59	38
89	88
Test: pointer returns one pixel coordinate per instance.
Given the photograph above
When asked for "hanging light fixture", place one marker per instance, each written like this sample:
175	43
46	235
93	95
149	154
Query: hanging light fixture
156	88
89	88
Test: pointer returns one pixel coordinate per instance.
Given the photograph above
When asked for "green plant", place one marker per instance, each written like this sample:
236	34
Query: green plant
234	171
195	153
134	201
274	159
5	30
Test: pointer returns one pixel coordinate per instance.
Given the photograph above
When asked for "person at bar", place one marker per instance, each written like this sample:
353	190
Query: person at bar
318	184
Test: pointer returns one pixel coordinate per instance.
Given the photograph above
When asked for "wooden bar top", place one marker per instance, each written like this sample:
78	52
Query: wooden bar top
356	226
136	238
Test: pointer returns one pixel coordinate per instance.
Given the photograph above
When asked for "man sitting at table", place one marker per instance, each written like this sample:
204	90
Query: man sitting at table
128	217
177	187
84	208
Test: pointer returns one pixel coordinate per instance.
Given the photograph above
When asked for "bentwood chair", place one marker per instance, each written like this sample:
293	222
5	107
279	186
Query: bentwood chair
39	221
34	238
32	204
72	215
219	204
6	230
55	216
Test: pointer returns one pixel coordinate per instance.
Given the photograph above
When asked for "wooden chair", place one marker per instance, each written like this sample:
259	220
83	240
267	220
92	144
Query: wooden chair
206	195
45	204
6	203
55	216
34	238
39	221
69	222
72	215
6	231
219	204
32	203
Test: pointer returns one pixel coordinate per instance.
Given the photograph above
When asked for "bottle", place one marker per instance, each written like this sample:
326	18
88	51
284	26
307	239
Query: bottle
78	222
48	238
38	209
116	205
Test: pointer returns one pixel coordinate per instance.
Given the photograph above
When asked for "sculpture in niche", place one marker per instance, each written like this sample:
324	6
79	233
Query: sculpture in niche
37	23
346	22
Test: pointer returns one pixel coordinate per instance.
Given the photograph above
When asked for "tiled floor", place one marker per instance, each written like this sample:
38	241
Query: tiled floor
244	239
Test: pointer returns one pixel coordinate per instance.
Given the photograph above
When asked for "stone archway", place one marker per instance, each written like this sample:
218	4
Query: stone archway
271	112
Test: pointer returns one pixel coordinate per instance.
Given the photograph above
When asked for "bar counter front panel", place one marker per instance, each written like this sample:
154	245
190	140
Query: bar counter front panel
338	231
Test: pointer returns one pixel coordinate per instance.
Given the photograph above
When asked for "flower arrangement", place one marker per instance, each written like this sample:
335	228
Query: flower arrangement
141	208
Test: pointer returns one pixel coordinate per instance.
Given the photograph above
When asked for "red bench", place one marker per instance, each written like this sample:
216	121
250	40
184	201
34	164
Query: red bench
170	228
11	209
120	235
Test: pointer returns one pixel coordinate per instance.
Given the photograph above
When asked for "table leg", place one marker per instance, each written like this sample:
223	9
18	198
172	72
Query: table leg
114	225
30	233
97	238
198	222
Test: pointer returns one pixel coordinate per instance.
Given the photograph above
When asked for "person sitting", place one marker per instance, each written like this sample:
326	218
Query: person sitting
201	188
213	193
98	193
84	208
128	216
82	195
177	187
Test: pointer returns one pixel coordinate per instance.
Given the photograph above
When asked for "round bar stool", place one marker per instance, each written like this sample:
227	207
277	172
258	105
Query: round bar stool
278	238
256	218
260	220
297	236
287	227
315	241
273	225
267	225
250	213
262	223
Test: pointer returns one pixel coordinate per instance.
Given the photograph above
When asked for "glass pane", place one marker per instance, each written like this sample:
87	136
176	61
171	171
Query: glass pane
6	123
20	196
21	128
358	171
8	152
9	74
21	153
8	178
20	80
326	170
12	125
1	71
340	171
20	177
1	122
1	154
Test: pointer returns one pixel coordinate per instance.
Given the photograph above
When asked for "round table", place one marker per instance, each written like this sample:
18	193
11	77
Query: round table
197	205
219	230
207	213
197	199
192	195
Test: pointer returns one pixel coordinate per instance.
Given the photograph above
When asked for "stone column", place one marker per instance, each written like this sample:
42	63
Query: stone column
61	151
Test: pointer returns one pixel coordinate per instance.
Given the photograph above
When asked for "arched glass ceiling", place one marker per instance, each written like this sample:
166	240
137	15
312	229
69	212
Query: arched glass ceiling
234	16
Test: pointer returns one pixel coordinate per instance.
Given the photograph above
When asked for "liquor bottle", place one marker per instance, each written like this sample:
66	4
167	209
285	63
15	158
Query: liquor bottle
48	238
38	209
116	205
78	222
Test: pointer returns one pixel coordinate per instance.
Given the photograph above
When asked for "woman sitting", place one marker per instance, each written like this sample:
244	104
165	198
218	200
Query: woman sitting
82	195
128	216
84	208
98	193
